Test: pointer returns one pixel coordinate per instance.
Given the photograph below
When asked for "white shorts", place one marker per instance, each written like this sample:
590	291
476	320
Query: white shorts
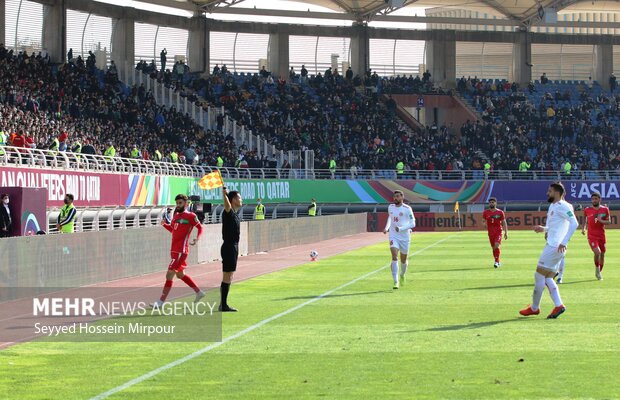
401	244
550	258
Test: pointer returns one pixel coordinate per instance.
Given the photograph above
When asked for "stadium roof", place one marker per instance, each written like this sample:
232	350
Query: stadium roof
366	10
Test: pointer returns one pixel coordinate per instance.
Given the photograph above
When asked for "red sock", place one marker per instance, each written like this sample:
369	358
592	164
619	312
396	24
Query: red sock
190	283
167	287
496	253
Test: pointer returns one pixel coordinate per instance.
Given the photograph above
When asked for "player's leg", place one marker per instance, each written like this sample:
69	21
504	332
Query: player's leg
552	264
188	280
394	248
229	266
404	264
496	252
543	271
539	287
492	243
601	258
561	271
597	258
172	269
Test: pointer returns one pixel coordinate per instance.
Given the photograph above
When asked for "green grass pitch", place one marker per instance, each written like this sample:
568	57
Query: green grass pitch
452	331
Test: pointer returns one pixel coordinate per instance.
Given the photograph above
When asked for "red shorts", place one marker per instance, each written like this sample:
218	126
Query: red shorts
495	238
178	261
597	242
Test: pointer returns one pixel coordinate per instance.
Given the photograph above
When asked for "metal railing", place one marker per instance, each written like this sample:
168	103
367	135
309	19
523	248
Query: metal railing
206	117
36	158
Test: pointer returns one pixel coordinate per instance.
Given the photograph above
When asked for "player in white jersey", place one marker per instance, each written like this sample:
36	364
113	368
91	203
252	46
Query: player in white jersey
399	224
561	224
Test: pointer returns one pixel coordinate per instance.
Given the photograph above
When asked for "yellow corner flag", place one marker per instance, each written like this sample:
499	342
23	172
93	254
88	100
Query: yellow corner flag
211	181
456	207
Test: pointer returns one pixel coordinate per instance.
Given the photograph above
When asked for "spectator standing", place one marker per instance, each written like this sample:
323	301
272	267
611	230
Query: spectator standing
66	218
5	217
162	59
613	83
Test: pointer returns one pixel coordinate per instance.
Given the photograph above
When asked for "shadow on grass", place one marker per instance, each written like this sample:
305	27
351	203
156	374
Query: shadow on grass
336	295
576	282
426	271
530	285
473	325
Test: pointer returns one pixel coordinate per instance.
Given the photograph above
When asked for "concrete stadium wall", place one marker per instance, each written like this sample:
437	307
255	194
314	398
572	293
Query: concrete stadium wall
95	257
280	233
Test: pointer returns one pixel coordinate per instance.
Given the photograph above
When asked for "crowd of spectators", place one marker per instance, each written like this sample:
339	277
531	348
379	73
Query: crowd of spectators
346	119
75	107
544	125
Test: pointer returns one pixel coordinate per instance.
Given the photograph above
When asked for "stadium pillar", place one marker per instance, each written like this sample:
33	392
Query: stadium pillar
441	58
521	59
198	45
54	30
3	19
123	42
604	64
360	50
279	54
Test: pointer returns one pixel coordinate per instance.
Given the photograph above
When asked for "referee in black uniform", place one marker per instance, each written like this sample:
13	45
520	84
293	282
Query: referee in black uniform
231	229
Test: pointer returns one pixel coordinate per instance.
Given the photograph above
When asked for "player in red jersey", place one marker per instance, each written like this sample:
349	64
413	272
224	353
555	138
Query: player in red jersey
596	217
495	221
181	226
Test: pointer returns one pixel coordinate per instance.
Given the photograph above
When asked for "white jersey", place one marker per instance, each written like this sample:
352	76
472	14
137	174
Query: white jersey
561	223
401	217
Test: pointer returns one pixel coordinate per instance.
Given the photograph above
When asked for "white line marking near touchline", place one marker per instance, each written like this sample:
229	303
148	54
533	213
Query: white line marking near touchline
200	352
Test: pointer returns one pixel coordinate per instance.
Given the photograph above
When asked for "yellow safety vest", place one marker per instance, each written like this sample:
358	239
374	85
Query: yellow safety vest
312	210
400	167
332	165
158	155
220	162
110	152
64	213
260	211
2	142
174	157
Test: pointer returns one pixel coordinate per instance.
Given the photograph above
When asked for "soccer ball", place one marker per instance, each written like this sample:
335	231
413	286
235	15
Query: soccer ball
313	255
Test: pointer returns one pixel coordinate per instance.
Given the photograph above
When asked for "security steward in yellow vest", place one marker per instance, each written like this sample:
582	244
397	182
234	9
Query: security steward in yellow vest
66	218
220	162
174	157
260	210
312	208
400	168
3	139
158	155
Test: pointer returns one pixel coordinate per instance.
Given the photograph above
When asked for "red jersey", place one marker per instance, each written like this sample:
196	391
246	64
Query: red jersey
596	229
181	227
494	219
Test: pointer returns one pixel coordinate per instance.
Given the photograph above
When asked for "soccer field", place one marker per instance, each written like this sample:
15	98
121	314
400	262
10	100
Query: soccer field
453	331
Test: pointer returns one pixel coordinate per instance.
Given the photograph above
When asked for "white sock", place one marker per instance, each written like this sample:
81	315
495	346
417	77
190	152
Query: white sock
539	288
561	271
554	291
403	267
395	270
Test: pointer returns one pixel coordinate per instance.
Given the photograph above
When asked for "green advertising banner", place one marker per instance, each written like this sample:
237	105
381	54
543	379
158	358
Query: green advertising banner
161	190
277	191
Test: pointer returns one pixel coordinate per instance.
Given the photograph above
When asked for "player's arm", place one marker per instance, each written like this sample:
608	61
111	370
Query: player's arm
573	224
198	227
604	221
584	228
166	225
505	224
227	205
410	222
388	223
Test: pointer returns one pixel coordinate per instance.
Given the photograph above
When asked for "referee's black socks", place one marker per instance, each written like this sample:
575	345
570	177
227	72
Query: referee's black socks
224	288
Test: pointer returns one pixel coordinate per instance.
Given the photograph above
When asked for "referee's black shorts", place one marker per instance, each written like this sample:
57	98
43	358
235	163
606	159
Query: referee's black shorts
229	253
